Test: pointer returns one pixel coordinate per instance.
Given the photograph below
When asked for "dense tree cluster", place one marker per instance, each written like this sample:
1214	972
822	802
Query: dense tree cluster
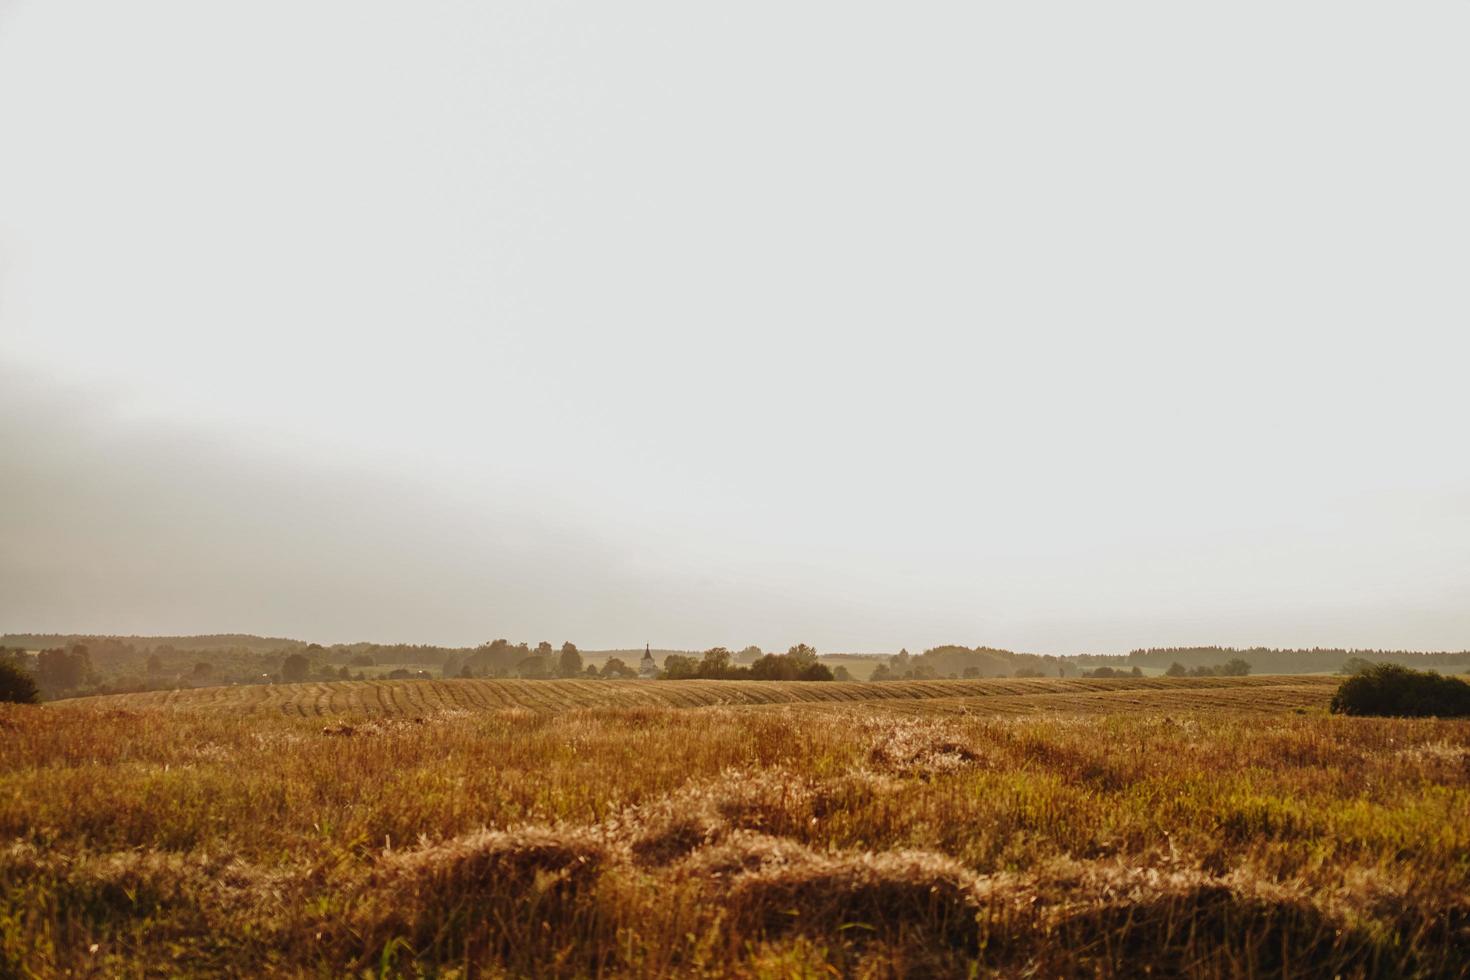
1113	672
1389	689
800	663
1230	668
16	684
501	658
59	671
954	662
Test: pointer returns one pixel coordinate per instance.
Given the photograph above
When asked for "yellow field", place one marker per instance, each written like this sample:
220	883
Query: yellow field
410	698
1213	827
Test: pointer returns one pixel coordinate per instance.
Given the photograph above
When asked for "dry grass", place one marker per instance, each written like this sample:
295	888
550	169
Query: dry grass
791	840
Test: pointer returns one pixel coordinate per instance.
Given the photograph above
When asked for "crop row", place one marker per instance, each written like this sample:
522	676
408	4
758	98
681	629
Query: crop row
1007	696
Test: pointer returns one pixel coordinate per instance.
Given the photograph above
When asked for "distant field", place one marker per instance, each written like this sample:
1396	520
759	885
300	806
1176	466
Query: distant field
1010	696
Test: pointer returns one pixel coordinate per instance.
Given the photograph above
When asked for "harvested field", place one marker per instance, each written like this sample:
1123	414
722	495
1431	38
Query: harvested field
1222	836
1006	696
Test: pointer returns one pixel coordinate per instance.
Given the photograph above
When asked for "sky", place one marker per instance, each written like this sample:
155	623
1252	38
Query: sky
1062	327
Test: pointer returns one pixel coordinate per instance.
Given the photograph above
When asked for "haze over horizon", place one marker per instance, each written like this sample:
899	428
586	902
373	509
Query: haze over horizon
836	323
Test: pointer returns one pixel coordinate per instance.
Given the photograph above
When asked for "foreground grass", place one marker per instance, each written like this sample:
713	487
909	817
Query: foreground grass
786	840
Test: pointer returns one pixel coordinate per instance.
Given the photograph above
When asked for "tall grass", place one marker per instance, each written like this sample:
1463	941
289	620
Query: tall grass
784	840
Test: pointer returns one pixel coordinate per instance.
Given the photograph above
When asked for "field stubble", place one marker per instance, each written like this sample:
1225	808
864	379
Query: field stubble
1003	696
864	837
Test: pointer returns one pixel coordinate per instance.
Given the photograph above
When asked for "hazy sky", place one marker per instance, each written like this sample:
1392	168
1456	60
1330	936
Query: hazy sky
1056	326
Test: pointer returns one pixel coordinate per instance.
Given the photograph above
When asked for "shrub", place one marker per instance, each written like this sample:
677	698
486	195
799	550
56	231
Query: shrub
1388	689
16	685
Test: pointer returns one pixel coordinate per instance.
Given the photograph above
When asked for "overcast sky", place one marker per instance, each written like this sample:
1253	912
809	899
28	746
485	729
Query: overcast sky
1065	327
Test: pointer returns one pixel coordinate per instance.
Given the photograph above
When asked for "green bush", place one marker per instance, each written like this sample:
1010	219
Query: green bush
1388	689
16	684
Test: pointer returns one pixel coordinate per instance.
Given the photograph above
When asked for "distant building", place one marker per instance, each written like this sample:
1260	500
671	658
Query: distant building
647	669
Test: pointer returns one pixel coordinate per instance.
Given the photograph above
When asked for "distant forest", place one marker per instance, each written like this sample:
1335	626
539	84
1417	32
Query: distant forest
955	661
1267	660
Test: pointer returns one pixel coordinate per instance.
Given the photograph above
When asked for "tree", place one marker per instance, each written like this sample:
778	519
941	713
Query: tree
544	648
590	671
571	660
816	672
203	669
1235	668
773	667
716	663
841	674
155	664
882	672
785	667
679	667
295	668
16	684
616	668
749	655
534	666
62	670
802	655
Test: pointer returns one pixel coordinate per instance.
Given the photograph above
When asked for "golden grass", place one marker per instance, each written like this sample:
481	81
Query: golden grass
865	838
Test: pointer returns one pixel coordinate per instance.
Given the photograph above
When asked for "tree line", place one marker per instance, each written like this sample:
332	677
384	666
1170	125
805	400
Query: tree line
1270	660
799	663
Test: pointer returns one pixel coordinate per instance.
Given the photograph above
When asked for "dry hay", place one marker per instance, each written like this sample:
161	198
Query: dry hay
540	859
773	802
487	892
918	747
897	896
